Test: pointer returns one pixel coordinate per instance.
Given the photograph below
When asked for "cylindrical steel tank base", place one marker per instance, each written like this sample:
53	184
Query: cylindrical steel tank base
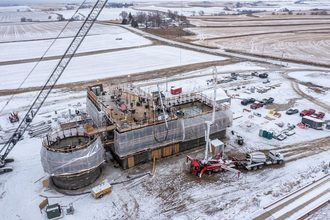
76	181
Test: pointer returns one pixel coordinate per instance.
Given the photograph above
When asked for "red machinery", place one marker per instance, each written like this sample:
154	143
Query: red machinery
211	164
176	90
319	115
13	117
198	167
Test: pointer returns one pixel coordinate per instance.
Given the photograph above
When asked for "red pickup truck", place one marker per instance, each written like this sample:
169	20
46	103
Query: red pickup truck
307	112
319	115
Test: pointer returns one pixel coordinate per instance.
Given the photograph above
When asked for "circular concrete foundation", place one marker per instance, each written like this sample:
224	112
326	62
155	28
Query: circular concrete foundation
77	181
72	158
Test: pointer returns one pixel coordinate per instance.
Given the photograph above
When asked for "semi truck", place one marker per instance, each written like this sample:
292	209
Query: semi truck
257	160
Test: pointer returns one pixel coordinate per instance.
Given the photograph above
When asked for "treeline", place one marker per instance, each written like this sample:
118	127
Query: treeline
118	5
154	19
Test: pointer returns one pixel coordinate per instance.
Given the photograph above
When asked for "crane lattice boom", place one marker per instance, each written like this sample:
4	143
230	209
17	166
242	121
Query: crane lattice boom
52	80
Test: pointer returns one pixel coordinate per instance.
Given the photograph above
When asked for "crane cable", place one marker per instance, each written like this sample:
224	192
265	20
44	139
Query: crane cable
42	57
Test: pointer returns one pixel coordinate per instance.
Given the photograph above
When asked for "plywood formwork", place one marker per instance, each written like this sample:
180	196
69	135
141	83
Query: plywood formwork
162	152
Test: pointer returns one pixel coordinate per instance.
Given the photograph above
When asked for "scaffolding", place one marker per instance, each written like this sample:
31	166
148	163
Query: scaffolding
180	130
68	160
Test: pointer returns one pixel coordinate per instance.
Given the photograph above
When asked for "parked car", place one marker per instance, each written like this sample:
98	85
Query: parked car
307	112
319	115
247	101
280	137
263	75
254	73
270	100
256	105
288	133
292	111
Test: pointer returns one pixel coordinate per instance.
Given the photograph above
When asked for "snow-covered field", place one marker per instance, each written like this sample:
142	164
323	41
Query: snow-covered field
35	30
184	10
302	38
211	7
114	37
106	14
35	16
14	8
104	65
316	78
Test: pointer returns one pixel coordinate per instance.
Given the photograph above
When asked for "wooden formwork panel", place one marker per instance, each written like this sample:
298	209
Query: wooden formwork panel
156	153
130	162
176	148
167	151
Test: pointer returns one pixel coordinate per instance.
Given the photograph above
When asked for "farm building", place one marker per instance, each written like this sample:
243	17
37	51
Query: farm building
153	124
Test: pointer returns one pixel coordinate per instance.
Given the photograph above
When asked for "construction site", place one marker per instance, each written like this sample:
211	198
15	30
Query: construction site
164	110
152	125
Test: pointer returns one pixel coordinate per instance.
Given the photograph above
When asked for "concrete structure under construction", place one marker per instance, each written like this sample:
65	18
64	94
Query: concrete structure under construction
72	157
146	125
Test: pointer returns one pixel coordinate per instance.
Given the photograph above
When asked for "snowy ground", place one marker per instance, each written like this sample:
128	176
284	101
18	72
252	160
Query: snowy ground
316	78
104	65
113	37
43	30
106	14
247	124
172	193
184	10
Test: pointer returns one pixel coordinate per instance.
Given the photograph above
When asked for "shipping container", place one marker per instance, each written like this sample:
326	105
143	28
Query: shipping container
176	90
313	122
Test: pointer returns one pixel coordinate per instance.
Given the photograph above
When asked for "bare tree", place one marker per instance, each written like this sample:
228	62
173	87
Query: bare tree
141	17
201	13
123	15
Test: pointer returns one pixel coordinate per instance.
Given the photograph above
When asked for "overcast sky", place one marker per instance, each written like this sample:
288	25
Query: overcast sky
55	1
36	1
22	2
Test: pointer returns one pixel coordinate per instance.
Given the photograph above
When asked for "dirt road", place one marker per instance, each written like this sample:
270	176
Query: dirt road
295	85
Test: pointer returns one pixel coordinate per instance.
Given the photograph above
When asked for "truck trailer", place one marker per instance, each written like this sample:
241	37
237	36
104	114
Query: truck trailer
256	160
313	122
